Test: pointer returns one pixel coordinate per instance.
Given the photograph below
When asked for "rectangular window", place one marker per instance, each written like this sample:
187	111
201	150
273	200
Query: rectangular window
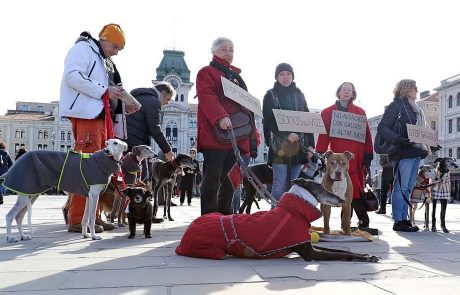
433	125
450	126
458	124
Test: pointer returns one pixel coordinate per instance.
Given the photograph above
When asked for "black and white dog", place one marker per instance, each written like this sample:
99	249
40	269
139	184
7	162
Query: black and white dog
441	191
312	170
38	171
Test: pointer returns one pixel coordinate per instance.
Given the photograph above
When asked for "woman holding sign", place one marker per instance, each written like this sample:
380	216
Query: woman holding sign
407	158
288	151
348	130
214	111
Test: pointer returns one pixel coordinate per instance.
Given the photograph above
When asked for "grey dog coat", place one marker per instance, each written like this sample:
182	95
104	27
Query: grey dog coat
38	171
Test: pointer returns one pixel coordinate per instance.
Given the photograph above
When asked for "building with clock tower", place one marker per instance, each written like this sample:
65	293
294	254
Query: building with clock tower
179	116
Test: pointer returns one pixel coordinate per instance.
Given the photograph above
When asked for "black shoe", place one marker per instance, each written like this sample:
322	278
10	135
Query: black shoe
444	229
173	204
410	224
381	211
157	220
402	226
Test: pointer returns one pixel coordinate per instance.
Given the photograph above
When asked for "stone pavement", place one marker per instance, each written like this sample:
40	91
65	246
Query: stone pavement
58	262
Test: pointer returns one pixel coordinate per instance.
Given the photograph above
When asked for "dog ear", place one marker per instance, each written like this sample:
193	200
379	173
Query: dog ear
327	154
148	194
349	155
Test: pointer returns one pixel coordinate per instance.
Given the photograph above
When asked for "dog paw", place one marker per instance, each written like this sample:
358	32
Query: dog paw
96	238
11	239
170	219
131	237
372	258
26	237
148	236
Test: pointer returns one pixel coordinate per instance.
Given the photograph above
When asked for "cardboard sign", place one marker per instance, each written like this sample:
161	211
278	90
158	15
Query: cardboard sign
419	134
299	121
241	96
348	126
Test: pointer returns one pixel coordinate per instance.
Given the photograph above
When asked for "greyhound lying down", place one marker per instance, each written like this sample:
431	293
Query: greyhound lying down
39	171
267	234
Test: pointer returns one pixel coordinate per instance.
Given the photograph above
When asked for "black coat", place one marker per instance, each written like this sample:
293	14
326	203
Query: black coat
146	122
290	98
408	116
5	161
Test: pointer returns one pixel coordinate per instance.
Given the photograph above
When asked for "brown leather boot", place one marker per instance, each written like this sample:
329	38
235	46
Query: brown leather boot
105	225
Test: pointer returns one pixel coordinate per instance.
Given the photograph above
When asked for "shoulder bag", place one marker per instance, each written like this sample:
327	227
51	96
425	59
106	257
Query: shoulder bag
242	127
383	146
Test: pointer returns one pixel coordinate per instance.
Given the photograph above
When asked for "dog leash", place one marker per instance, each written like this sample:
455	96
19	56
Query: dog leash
252	178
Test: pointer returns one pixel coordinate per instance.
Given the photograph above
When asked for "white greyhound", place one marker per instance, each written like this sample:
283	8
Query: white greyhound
39	171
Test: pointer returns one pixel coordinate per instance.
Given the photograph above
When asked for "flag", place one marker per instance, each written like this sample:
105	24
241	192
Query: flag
235	175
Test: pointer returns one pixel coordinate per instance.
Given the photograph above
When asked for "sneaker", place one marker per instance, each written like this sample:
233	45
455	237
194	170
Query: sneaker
76	228
402	226
105	225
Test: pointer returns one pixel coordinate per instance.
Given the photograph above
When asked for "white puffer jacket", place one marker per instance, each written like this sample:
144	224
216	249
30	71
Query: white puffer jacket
84	81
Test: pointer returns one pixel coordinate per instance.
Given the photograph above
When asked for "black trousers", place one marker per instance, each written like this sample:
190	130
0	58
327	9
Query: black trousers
216	188
359	207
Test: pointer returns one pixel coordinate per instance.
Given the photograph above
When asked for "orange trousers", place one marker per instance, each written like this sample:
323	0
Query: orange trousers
89	135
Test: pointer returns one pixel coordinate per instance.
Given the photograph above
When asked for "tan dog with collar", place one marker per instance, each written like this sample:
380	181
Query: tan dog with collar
337	180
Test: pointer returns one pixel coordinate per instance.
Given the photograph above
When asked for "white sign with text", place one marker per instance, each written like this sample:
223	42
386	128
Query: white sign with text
299	121
348	126
241	96
419	134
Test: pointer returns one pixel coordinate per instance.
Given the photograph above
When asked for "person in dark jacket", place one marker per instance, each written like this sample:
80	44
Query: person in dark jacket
21	152
5	164
288	151
408	156
386	181
146	123
214	110
187	181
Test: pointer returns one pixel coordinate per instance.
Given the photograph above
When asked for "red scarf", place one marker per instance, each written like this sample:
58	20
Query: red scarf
108	119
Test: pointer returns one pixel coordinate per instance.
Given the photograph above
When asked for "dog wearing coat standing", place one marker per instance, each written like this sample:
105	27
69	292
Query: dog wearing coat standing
85	174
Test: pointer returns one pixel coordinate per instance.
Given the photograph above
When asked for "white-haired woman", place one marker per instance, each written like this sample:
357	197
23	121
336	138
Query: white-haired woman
214	109
407	158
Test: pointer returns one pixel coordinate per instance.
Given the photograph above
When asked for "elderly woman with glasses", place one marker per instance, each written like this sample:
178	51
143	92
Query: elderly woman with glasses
408	156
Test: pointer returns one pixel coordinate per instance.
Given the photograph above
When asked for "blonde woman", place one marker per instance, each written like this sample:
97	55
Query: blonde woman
407	158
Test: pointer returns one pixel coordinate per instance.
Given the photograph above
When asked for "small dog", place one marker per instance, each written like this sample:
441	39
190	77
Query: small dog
267	234
111	200
315	166
163	176
83	174
422	193
337	180
441	191
139	210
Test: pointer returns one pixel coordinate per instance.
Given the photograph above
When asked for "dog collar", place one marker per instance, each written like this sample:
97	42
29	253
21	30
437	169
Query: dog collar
304	194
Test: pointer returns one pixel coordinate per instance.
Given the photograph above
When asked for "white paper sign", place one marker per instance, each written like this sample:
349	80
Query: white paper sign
419	134
348	125
299	121
241	96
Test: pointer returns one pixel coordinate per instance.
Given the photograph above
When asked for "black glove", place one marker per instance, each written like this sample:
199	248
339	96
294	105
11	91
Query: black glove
402	141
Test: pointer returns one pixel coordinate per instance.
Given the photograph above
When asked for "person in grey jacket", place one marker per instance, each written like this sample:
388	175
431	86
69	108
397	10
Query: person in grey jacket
146	123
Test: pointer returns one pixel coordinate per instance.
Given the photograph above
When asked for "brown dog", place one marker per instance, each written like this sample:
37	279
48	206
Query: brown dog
337	180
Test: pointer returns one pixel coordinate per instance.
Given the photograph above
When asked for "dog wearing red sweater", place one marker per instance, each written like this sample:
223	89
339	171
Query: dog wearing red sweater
267	234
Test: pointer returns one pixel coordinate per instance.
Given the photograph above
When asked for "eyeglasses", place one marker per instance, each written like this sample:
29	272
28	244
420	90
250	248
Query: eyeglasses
415	88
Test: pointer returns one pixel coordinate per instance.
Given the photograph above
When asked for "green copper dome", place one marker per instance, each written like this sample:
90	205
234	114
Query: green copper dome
173	63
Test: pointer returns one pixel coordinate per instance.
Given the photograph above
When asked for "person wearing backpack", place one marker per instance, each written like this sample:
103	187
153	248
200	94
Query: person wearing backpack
5	164
287	151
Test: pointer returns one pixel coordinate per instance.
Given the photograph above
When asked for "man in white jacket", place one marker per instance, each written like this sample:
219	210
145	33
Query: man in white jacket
84	87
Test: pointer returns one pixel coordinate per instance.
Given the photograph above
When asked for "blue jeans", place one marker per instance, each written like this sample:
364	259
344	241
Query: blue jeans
280	178
408	171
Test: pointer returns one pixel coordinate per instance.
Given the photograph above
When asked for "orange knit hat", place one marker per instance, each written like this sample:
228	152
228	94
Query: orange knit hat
113	34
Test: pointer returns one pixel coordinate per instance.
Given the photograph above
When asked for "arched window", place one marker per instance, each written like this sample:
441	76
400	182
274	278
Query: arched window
62	135
62	147
69	147
69	135
458	99
449	102
45	134
177	97
458	153
450	152
39	147
23	133
45	147
40	134
18	134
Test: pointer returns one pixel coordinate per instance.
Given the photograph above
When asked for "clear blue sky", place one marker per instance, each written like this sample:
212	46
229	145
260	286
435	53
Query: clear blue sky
370	43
